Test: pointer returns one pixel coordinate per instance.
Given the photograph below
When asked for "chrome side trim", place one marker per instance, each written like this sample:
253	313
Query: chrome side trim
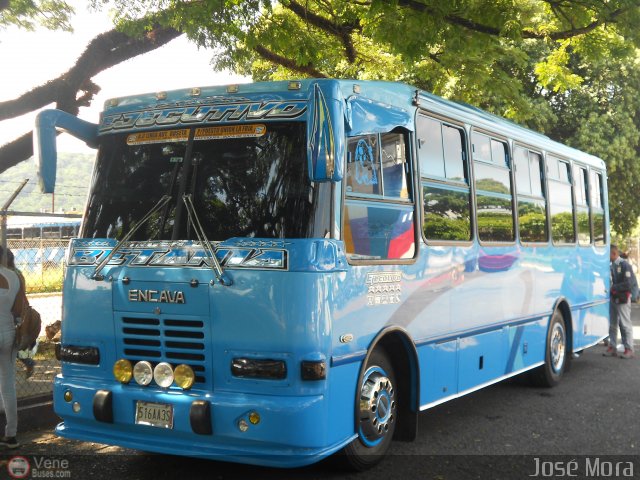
479	387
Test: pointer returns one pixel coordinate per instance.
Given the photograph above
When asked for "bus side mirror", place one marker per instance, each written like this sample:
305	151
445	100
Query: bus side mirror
326	133
48	123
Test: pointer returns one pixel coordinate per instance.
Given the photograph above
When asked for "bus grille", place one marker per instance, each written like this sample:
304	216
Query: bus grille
171	340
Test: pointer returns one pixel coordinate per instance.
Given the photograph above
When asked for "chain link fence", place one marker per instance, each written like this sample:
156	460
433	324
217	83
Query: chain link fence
41	262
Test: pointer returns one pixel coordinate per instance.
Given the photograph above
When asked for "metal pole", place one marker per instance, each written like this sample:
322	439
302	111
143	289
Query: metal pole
3	222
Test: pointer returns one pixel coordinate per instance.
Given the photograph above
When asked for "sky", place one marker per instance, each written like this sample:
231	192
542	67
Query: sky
29	59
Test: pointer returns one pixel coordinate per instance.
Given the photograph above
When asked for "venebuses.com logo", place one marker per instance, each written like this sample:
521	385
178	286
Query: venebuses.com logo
18	467
38	467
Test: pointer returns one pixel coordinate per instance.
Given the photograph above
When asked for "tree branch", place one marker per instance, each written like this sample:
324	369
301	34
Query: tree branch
343	32
16	151
74	88
526	33
307	70
104	51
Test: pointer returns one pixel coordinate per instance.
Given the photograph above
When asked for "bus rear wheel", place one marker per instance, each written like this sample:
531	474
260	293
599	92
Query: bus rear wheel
376	410
556	356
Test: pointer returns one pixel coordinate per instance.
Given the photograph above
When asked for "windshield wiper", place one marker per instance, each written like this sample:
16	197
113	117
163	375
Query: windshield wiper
202	238
161	203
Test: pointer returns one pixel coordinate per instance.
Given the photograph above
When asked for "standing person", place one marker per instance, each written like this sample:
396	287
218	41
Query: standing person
634	281
28	363
620	305
11	295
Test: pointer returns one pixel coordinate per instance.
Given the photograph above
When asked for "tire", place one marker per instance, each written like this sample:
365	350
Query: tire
376	414
557	355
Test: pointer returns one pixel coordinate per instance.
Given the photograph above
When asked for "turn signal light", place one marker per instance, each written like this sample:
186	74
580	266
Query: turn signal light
123	370
184	376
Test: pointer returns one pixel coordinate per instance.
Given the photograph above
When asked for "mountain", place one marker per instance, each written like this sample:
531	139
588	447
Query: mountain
72	184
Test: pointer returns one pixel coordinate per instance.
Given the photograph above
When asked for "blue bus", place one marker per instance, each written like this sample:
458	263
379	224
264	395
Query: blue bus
274	272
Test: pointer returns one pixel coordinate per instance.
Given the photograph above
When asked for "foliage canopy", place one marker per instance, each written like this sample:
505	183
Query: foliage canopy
567	68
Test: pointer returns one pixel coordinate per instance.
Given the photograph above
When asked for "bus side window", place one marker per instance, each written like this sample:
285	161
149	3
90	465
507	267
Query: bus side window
561	203
597	209
532	205
493	189
581	181
445	185
363	165
379	208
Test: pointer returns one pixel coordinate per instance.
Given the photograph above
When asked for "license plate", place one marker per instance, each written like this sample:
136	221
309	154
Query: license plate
154	414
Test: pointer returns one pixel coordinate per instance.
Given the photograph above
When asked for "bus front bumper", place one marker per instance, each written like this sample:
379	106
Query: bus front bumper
279	431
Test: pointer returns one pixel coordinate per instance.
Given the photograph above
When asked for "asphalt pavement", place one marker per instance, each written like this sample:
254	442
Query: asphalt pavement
509	430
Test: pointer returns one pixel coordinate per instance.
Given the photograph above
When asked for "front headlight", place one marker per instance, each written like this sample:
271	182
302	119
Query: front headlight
143	373
163	374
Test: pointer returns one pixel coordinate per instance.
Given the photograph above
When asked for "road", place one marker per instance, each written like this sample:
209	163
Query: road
592	417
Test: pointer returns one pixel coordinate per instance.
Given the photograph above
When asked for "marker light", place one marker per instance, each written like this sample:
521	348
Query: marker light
232	88
122	370
243	425
163	374
76	407
68	396
143	373
254	418
294	85
184	376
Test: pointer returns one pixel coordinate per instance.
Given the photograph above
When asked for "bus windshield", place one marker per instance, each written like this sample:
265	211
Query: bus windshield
245	181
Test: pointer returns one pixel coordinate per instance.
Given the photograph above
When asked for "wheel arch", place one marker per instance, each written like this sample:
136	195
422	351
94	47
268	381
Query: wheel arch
402	353
562	306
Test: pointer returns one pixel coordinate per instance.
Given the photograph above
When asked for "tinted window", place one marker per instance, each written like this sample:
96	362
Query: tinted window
597	210
378	232
246	186
535	171
532	218
395	183
521	162
441	149
562	230
447	206
430	147
493	189
363	165
481	147
447	213
378	169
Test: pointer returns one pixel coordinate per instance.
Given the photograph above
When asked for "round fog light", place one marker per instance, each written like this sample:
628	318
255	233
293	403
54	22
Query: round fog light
163	374
184	376
143	373
254	418
122	370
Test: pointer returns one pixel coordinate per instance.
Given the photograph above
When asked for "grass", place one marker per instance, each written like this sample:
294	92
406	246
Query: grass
44	280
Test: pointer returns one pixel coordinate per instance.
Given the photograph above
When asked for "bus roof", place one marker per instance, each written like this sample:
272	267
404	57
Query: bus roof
394	94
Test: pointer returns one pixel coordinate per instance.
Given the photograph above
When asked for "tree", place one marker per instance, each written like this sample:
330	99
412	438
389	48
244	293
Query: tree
531	60
74	88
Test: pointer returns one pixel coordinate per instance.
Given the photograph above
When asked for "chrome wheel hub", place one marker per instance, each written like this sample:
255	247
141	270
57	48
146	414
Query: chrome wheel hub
377	405
557	347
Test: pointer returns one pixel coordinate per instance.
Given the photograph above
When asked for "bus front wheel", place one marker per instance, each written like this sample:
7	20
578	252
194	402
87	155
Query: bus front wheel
556	356
376	410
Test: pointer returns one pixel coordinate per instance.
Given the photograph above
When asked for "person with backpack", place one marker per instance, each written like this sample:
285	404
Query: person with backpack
11	303
635	292
620	306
